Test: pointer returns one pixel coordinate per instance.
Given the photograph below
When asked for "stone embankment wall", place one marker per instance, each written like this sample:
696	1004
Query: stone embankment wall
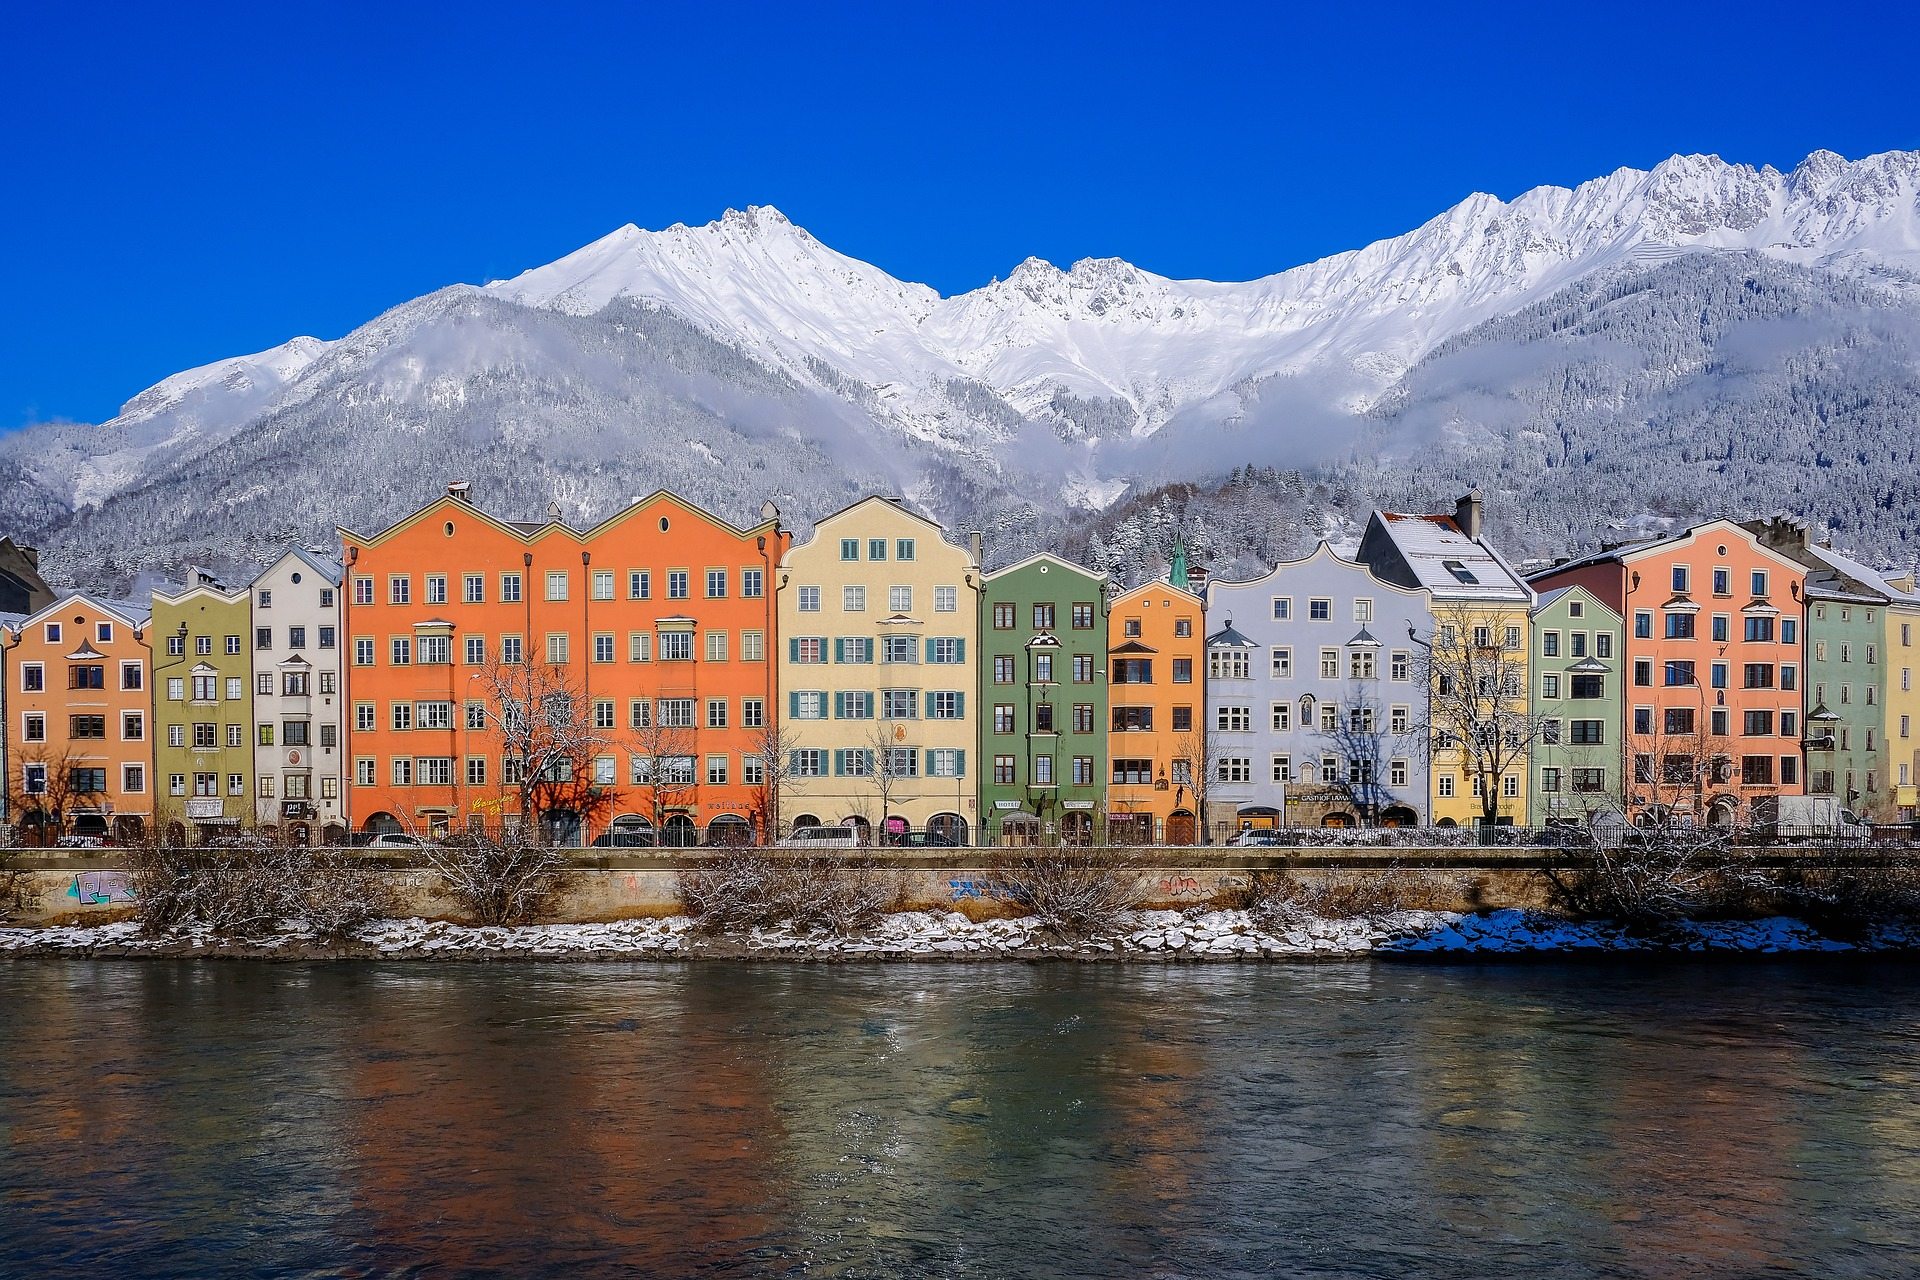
90	886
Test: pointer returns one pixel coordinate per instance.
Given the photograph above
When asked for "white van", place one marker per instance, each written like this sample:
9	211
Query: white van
823	838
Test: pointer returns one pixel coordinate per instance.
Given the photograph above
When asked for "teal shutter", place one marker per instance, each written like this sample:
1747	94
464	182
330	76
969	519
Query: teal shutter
793	649
793	706
960	705
930	649
960	767
839	649
960	649
839	763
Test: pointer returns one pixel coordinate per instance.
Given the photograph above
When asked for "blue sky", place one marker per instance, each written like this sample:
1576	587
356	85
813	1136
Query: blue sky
184	183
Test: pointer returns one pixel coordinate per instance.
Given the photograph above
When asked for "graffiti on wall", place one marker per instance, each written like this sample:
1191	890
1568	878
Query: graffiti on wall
101	888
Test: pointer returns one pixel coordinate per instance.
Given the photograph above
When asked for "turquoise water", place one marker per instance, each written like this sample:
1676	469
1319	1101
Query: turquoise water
232	1118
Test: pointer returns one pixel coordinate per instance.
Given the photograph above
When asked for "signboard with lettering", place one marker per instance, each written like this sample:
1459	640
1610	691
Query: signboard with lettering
203	807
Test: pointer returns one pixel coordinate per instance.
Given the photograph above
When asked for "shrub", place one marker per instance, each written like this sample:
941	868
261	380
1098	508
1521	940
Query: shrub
499	876
744	888
251	886
1658	873
1074	892
1278	897
1848	892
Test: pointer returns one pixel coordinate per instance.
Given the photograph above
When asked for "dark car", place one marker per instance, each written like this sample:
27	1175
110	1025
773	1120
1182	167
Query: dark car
624	840
919	840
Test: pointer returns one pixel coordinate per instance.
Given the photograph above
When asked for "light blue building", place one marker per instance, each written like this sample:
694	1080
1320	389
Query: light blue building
1315	711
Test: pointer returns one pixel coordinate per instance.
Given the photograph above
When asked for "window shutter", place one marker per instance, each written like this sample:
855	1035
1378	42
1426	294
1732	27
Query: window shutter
793	648
960	763
793	706
960	649
839	762
960	705
929	648
839	649
929	711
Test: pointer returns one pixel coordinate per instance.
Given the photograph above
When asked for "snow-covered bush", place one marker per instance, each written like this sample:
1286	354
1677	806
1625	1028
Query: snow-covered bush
498	876
744	888
1280	898
1075	893
1847	892
252	886
1660	872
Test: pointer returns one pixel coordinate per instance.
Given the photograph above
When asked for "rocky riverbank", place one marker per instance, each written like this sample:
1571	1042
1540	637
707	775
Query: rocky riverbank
1185	936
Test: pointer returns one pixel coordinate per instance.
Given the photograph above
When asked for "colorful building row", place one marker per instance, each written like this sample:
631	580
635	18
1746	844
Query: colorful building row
668	677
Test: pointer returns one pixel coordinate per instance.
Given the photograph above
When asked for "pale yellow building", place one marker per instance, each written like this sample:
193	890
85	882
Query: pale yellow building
879	625
1902	647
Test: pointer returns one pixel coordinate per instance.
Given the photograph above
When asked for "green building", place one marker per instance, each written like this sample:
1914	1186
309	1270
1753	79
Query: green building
1579	692
1043	702
202	709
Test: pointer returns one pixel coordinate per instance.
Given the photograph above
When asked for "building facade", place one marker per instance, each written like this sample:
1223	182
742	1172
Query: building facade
641	645
80	755
1482	612
1158	759
879	618
203	724
298	708
1312	697
1043	702
1715	668
1578	693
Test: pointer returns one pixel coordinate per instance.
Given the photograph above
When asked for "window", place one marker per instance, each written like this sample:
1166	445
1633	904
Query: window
1043	617
677	646
946	705
899	704
90	726
1329	664
853	599
1679	626
33	677
1282	608
809	599
716	713
1083	617
639	713
1643	624
1319	610
1083	717
295	733
363	590
717	771
1680	578
1233	719
1133	671
1126	719
202	645
753	583
400	652
676	584
1588	733
436	650
903	548
639	584
950	651
876	548
1280	662
510	588
1587	686
556	584
602	587
849	548
399	589
1679	673
1759	582
1757	724
900	649
1235	769
1083	668
900	599
1043	668
1182	672
1677	720
436	588
1550	780
1360	664
511	653
1758	675
558	649
946	599
1003	617
1228	664
1003	770
676	713
1756	770
1549	686
1549	644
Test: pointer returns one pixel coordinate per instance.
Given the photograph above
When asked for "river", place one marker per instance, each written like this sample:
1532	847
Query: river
201	1119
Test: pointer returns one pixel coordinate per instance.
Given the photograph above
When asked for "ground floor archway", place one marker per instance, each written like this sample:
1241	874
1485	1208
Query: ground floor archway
862	829
1399	815
1019	829
127	829
381	824
678	832
1076	828
730	830
1182	827
1130	828
948	828
1337	821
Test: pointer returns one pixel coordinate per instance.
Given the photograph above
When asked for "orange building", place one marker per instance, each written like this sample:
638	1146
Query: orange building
656	625
79	751
1157	700
1715	666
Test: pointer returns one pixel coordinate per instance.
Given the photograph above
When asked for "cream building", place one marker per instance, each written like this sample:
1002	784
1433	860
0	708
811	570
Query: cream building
879	625
297	735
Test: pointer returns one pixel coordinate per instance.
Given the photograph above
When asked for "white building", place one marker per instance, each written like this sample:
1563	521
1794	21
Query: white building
297	707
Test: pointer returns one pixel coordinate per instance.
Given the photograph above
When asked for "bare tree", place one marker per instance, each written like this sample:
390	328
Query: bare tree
665	769
499	875
547	730
1359	742
1474	666
774	744
889	768
1198	756
42	783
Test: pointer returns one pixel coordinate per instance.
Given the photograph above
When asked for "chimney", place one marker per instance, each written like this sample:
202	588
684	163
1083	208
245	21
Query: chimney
1467	513
461	490
976	544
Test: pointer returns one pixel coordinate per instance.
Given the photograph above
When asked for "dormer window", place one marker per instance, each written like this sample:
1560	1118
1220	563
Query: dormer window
1459	571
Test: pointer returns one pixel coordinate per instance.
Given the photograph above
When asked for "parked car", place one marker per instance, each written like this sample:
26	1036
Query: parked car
1790	818
1255	838
920	840
823	838
624	840
394	840
80	842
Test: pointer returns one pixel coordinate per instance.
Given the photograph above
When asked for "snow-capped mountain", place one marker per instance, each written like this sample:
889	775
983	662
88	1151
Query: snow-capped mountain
746	355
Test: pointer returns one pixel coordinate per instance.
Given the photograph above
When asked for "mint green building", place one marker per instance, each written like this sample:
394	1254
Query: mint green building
1043	702
1579	691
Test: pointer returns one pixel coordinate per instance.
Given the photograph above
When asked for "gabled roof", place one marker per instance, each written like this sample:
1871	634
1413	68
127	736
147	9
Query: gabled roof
1549	599
1443	559
135	613
1049	558
530	531
1628	552
1149	588
324	565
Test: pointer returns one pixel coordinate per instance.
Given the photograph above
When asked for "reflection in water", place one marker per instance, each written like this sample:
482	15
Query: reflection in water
202	1119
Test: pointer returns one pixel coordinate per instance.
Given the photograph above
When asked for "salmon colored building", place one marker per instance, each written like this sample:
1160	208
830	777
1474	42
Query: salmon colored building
659	621
1157	704
79	744
1714	668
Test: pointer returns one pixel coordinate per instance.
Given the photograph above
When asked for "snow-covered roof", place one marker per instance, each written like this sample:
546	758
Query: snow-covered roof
1228	638
1548	599
1447	562
1838	577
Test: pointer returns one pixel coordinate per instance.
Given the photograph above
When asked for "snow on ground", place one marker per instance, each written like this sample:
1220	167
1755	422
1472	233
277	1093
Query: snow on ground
1170	935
